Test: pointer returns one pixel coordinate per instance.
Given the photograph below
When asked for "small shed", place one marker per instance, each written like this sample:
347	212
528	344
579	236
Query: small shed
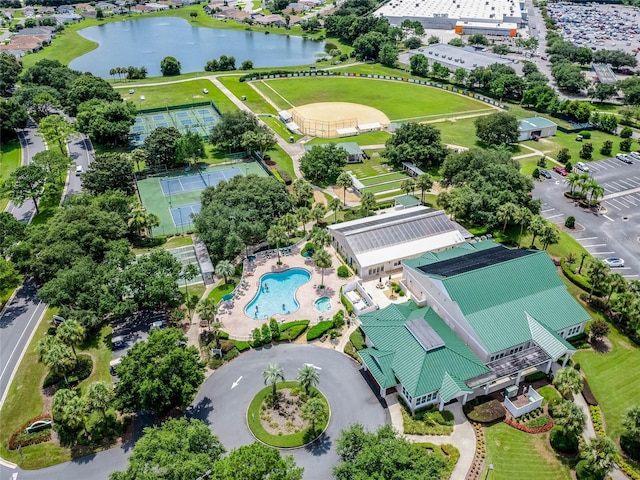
347	131
536	127
285	116
406	201
356	155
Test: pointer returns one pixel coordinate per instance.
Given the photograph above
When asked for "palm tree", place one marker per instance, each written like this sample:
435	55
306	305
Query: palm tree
314	411
624	305
74	414
583	256
272	375
308	377
317	212
345	181
573	180
550	235
302	192
207	310
523	217
536	227
617	284
138	155
598	271
225	269
322	260
583	180
599	453
277	235
567	381
506	213
289	222
188	273
424	182
570	259
45	344
71	333
367	202
408	186
570	417
335	204
597	192
60	359
112	72
320	237
304	216
139	220
99	395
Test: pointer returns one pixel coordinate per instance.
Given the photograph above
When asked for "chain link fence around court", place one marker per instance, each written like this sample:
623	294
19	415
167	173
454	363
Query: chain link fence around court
196	118
321	128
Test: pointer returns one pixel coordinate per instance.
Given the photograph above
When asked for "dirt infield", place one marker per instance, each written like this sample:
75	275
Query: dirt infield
324	119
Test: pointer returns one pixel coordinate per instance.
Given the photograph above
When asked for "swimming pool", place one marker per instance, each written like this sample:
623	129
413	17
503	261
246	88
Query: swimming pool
277	293
323	304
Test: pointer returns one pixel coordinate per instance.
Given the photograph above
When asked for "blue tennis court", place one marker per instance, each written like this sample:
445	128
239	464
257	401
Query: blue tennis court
183	215
198	181
182	114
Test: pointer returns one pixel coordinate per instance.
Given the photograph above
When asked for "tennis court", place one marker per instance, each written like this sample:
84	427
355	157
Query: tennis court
197	182
197	118
175	198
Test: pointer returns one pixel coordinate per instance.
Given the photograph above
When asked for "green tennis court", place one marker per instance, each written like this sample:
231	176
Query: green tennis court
174	210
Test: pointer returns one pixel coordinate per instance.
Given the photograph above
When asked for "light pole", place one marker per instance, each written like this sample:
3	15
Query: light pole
489	469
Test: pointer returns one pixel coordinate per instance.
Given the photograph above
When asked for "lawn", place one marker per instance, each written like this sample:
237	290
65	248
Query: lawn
388	177
278	127
397	100
614	378
383	187
49	203
552	145
365	139
179	93
282	159
515	454
195	289
222	290
10	158
254	100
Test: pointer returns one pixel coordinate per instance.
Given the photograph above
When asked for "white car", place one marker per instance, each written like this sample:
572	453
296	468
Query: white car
614	262
582	166
78	170
204	90
131	91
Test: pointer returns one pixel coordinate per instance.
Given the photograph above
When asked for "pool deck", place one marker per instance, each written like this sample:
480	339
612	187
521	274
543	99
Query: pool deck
239	325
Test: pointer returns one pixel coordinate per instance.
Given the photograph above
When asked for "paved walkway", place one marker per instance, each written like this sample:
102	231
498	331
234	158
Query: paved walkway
463	436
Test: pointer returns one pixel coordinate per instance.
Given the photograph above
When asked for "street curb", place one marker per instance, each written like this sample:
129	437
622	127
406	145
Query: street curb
7	464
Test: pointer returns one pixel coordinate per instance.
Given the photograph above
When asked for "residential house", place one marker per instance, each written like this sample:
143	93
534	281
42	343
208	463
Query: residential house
65	9
142	9
295	8
270	20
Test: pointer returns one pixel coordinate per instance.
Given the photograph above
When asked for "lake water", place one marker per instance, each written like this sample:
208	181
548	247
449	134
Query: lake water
146	41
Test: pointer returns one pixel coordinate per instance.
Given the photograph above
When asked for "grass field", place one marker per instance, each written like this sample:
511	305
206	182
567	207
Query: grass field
10	158
552	145
179	93
364	139
515	454
614	378
399	101
254	100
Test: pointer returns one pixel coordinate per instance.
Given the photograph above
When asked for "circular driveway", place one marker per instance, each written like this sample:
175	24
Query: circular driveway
224	397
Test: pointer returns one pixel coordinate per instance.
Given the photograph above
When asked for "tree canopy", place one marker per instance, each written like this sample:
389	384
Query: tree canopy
229	134
484	180
159	374
10	69
26	182
256	462
240	212
107	172
500	128
106	122
323	163
416	143
162	146
88	87
170	66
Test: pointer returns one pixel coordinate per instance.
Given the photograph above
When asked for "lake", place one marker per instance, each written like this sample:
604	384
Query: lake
146	41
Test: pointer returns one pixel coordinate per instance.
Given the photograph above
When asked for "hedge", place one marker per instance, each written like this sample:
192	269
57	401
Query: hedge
357	338
630	446
596	420
578	280
343	271
534	377
345	301
319	329
292	330
241	345
20	438
350	350
588	394
561	442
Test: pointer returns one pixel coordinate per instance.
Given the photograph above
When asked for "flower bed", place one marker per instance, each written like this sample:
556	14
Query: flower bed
527	429
20	438
480	456
596	419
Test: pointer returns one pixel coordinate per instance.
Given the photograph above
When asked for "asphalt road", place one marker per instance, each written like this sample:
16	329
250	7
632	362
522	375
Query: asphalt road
223	407
615	231
81	151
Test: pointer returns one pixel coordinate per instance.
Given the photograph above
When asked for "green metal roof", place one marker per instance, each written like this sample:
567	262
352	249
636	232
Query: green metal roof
352	148
547	339
419	371
379	364
451	387
496	299
407	200
536	122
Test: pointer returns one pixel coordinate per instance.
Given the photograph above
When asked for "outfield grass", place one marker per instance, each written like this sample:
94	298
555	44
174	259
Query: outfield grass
397	100
515	454
10	159
388	177
383	187
179	93
278	127
614	378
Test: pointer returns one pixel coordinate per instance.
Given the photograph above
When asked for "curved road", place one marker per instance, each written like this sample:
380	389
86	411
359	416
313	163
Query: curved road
222	403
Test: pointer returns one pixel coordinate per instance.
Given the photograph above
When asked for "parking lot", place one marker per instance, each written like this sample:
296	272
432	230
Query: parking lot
611	27
615	230
134	329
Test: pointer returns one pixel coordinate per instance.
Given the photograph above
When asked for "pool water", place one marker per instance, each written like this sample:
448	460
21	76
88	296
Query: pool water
323	304
277	293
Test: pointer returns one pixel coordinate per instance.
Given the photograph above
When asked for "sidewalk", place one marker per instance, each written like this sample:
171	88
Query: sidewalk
463	436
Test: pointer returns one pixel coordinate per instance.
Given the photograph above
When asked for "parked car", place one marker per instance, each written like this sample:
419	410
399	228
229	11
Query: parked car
78	170
159	325
131	90
118	342
560	170
635	155
545	173
582	166
624	158
614	262
205	91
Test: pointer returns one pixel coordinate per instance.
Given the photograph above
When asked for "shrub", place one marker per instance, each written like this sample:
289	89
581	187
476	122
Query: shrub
588	394
625	145
285	176
583	472
606	148
596	419
226	346
241	346
338	319
536	173
570	222
486	411
630	446
542	162
274	329
343	271
231	354
292	330
564	155
626	132
538	422
83	369
319	329
561	442
350	350
257	338
308	247
534	377
586	151
586	135
266	333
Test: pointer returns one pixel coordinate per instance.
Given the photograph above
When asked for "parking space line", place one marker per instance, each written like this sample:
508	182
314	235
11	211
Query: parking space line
587	238
612	205
595	245
607	186
624	205
622	187
632	185
554	216
601	253
628	199
630	276
608	218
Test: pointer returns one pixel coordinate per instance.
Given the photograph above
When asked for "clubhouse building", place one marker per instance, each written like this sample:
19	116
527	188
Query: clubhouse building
481	316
